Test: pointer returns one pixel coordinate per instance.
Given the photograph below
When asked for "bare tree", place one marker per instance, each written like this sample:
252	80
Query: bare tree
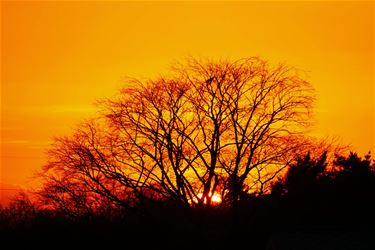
225	128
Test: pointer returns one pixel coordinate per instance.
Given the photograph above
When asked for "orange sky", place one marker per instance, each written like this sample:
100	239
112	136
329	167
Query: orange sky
57	58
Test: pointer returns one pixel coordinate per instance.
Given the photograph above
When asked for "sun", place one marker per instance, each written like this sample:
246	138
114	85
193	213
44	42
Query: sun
215	198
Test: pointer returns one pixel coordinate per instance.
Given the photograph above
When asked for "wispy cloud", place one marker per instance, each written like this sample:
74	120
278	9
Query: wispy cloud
78	108
14	142
26	143
53	109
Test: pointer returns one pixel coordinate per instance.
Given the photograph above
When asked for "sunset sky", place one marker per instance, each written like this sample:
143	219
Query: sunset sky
57	58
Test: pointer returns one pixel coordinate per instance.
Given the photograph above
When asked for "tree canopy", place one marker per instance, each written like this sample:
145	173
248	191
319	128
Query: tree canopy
210	128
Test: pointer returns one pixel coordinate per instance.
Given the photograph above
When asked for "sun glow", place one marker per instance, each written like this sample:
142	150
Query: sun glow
215	198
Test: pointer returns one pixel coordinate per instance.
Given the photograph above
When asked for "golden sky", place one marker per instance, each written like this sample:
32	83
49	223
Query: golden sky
57	58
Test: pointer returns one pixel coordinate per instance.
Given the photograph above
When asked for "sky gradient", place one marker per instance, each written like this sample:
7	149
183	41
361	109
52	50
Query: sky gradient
57	58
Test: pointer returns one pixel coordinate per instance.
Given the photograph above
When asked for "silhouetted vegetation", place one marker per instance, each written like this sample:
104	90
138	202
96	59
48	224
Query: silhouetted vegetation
212	128
146	171
313	194
339	194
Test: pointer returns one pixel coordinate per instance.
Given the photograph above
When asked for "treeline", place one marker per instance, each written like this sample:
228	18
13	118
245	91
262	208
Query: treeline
313	193
151	167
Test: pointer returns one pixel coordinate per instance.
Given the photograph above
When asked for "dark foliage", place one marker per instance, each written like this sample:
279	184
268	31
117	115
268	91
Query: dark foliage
313	196
342	195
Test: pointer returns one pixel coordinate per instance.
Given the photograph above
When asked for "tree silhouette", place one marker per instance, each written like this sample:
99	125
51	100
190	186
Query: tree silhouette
226	128
303	177
315	191
348	174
